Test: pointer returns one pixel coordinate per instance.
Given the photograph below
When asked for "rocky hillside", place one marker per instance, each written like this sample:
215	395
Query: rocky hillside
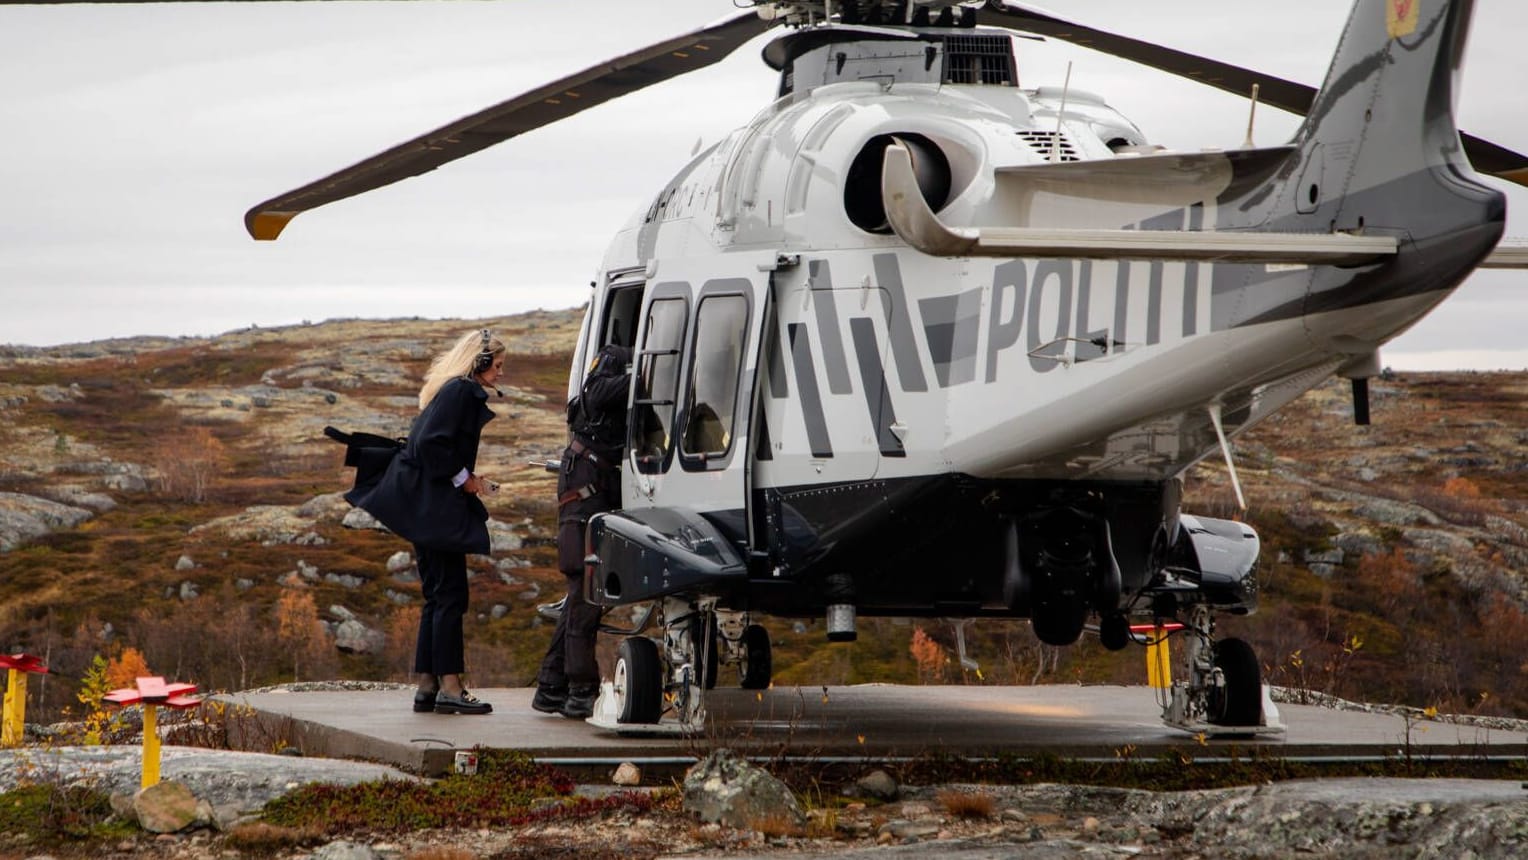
175	500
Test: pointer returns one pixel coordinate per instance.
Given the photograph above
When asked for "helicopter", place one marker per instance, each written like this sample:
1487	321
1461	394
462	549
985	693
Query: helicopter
920	341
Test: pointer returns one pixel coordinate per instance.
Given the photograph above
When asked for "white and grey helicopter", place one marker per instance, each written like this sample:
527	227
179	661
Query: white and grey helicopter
917	341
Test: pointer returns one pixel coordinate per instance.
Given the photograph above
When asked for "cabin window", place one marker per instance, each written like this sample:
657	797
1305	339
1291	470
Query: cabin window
657	384
721	327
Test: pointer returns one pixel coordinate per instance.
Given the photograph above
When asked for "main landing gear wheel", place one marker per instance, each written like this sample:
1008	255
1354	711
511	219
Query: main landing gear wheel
1059	622
758	662
1114	631
638	686
1240	701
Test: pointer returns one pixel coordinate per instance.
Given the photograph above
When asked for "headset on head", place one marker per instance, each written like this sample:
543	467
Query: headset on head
484	358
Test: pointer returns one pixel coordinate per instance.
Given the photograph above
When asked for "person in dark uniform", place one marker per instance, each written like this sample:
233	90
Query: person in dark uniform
588	482
429	495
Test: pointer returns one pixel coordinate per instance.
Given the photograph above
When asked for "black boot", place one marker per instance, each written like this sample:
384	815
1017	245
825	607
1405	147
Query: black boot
580	702
549	700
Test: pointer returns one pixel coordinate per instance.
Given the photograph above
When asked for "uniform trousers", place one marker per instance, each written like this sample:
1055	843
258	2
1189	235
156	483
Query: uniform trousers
570	659
443	576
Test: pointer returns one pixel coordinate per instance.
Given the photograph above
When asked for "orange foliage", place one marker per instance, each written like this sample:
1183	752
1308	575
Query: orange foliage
1461	488
929	655
298	627
123	670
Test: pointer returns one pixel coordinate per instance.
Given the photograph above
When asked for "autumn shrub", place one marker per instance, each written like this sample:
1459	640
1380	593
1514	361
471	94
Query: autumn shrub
967	804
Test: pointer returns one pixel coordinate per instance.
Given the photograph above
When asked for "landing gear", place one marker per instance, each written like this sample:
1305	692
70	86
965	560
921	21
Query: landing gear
1223	695
1238	699
698	637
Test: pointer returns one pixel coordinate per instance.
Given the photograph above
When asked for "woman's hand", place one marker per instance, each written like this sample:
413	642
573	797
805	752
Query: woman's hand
477	486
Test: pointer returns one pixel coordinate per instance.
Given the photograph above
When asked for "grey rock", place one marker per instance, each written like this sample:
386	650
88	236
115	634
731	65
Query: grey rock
627	774
24	518
330	506
502	538
1331	556
359	519
307	571
399	562
399	597
346	580
498	611
310	539
166	807
188	590
125	483
342	613
243	584
344	850
877	784
184	563
353	637
726	789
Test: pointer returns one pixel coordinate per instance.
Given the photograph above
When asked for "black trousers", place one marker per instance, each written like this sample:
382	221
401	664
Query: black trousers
570	659
443	576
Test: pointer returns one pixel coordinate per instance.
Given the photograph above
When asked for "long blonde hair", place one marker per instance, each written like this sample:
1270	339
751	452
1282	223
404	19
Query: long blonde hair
457	361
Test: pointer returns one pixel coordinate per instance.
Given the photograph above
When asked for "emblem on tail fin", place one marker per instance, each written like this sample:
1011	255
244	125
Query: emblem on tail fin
1401	17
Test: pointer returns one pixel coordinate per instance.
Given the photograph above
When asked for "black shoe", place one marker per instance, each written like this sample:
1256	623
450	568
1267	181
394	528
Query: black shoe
424	702
580	703
466	703
549	700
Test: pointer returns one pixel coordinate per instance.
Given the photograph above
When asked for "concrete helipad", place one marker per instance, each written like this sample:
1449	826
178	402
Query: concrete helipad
872	721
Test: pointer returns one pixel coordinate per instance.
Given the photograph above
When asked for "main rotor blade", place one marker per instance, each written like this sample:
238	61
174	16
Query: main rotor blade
1487	157
541	106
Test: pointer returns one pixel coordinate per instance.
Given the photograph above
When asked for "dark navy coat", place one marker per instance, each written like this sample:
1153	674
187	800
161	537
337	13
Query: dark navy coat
414	496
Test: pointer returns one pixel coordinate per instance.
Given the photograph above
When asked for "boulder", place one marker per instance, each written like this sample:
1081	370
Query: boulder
724	788
353	637
167	807
877	784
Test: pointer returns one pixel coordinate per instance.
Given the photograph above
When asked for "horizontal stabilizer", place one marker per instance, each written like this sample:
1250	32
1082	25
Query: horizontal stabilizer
1509	254
1170	179
915	223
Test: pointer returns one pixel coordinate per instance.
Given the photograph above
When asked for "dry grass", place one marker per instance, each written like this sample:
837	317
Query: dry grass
439	853
966	804
260	837
777	825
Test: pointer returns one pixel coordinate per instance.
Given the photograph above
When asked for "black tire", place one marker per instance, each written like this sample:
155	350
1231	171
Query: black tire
1059	623
758	661
639	681
1114	631
706	649
1240	703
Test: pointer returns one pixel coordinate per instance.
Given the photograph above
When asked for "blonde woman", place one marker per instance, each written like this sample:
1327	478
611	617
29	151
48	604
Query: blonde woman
428	495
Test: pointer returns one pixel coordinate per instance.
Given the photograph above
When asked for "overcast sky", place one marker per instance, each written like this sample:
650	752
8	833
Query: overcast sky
134	137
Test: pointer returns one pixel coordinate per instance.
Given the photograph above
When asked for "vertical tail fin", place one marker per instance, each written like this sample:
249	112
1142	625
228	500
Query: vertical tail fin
1386	109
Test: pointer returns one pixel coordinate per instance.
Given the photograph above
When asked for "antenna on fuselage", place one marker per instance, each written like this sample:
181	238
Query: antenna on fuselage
1251	116
1066	87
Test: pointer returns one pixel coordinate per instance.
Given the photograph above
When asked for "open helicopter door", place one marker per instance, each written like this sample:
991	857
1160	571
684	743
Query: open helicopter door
685	484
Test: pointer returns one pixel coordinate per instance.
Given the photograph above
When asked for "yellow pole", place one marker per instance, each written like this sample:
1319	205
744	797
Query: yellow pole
13	724
150	746
1159	670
